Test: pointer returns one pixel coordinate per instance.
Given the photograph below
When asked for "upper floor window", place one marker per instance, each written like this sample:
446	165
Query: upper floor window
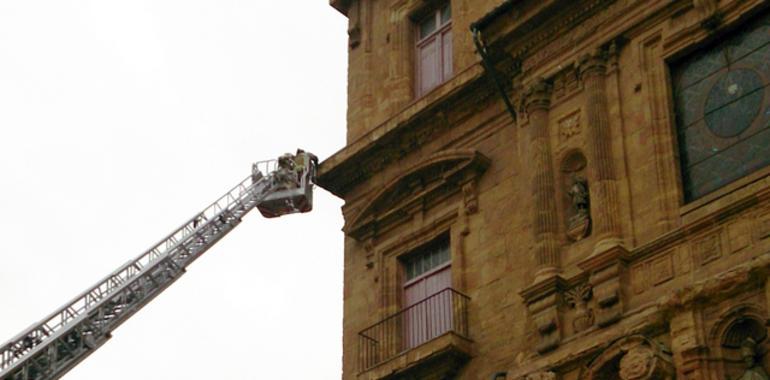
434	49
722	103
427	298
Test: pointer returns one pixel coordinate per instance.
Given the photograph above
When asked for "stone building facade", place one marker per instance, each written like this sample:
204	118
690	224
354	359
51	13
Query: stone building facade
612	223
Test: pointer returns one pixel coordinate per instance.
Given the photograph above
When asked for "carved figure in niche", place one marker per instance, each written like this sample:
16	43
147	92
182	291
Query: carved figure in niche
578	298
578	196
750	353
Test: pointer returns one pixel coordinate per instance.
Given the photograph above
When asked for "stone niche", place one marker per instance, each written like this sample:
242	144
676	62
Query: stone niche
738	343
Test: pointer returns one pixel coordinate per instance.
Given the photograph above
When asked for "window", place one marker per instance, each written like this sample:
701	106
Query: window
722	108
427	293
434	49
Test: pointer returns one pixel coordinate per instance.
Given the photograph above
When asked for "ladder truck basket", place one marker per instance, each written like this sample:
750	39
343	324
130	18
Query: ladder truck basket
291	184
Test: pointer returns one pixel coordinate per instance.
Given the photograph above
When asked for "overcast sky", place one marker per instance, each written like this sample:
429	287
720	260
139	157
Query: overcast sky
122	119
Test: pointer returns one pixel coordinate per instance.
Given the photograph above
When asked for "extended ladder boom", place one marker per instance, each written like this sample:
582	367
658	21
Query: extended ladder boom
53	346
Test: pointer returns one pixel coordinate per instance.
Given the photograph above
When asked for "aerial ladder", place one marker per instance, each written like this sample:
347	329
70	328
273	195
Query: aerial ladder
50	348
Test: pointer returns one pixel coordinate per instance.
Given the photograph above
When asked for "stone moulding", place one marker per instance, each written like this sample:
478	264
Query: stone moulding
417	189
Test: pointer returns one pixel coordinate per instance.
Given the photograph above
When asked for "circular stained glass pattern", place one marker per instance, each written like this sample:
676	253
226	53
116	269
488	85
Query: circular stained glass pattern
734	102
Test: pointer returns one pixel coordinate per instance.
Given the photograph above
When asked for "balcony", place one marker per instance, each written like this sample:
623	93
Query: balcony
431	334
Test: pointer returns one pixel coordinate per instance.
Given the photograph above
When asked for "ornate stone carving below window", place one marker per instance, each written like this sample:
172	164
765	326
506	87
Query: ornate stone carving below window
578	298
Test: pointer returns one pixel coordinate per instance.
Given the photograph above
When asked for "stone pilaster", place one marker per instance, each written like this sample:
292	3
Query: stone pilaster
688	346
605	207
537	101
398	83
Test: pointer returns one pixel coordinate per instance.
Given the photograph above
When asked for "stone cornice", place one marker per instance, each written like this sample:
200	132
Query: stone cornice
416	124
533	23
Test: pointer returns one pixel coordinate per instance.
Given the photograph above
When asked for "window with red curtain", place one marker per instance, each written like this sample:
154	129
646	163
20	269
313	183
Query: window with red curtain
434	49
427	302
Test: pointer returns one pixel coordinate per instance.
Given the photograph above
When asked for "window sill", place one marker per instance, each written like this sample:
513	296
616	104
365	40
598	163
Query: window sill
730	195
441	355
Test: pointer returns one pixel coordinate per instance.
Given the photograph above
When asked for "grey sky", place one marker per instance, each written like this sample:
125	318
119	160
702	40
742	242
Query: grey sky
120	120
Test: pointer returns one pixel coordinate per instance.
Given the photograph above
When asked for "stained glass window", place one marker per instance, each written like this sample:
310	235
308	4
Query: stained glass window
722	103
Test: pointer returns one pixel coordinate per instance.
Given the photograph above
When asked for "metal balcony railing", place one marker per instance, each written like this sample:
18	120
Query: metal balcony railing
430	318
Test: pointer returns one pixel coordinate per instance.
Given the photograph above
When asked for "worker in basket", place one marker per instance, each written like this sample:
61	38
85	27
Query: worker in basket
303	161
284	177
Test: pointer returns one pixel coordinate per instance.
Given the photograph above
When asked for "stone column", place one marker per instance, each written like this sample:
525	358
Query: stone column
604	189
537	101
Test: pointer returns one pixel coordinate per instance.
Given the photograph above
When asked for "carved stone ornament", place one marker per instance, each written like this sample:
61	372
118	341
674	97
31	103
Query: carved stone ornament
632	358
637	364
470	198
578	298
569	126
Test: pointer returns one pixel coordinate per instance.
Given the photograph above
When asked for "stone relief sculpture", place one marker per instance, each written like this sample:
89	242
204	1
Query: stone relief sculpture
637	363
750	353
578	298
632	358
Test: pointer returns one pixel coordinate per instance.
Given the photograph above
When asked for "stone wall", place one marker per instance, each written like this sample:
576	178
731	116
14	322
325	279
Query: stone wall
567	226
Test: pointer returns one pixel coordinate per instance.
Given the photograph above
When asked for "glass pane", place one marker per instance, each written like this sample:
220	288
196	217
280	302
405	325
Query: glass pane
446	14
429	66
444	254
446	53
435	260
722	110
427	27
